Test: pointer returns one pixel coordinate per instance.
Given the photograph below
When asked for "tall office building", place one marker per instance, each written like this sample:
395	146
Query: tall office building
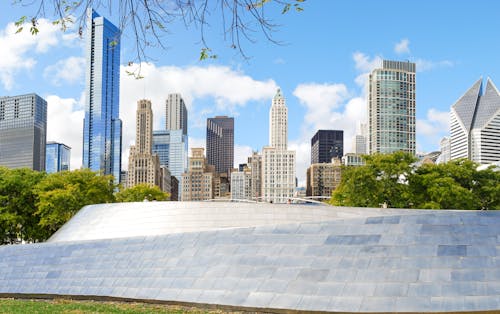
445	149
143	165
172	149
241	184
102	127
475	124
57	157
278	163
176	113
325	145
278	122
220	143
198	182
23	129
391	108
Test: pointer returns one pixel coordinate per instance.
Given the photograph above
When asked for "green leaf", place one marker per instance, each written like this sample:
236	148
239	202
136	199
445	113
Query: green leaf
20	29
34	30
286	8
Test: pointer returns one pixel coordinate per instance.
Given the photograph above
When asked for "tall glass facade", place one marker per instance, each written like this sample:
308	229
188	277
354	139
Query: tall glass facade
391	108
58	157
23	129
172	149
102	128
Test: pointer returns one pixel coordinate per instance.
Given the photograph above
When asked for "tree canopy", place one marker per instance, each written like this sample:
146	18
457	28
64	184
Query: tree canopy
142	192
394	179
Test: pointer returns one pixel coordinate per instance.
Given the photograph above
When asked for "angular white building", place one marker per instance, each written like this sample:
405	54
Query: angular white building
241	185
278	163
475	124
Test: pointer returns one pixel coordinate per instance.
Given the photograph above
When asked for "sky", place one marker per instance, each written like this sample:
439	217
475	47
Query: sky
320	63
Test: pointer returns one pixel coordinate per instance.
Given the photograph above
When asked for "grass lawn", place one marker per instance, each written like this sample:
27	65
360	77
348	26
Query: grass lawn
79	307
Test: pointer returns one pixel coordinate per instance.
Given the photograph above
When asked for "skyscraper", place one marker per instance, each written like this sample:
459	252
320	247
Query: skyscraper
23	129
220	143
278	163
143	165
171	147
102	127
391	108
325	145
278	122
176	117
58	157
475	124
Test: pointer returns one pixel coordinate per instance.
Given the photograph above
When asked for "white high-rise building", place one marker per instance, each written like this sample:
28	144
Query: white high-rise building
176	113
278	123
391	108
475	124
278	163
445	148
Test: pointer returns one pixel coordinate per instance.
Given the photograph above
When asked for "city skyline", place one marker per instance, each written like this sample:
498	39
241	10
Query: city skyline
324	79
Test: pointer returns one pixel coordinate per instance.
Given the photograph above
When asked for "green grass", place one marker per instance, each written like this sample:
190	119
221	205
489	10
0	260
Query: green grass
12	306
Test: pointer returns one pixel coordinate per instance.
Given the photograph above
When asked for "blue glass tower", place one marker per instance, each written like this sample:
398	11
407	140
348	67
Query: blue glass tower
171	147
58	157
102	127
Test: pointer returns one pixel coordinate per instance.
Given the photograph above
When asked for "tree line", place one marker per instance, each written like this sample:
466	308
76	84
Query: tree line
396	180
33	205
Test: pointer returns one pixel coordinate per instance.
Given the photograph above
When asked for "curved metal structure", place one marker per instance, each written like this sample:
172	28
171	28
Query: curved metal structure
267	257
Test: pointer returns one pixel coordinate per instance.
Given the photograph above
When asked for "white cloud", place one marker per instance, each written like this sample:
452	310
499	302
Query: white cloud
16	53
402	47
427	65
364	64
70	71
432	129
65	125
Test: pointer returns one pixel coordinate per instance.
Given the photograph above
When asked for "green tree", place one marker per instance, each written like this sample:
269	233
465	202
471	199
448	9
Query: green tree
140	193
18	205
384	179
61	195
455	185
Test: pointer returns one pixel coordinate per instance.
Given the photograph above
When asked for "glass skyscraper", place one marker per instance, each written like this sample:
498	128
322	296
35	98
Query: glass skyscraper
220	143
58	157
23	129
327	144
172	149
391	108
102	128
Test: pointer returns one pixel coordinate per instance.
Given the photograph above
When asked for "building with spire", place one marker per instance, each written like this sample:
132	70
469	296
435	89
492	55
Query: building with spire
391	108
475	124
143	165
102	127
278	163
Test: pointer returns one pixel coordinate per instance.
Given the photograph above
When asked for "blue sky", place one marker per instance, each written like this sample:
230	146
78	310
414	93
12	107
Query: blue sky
321	67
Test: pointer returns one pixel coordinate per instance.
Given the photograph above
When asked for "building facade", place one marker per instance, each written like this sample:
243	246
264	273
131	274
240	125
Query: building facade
255	164
23	131
241	185
198	182
323	178
327	144
176	117
58	156
102	127
172	149
278	163
475	124
351	159
220	143
445	149
391	108
143	165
